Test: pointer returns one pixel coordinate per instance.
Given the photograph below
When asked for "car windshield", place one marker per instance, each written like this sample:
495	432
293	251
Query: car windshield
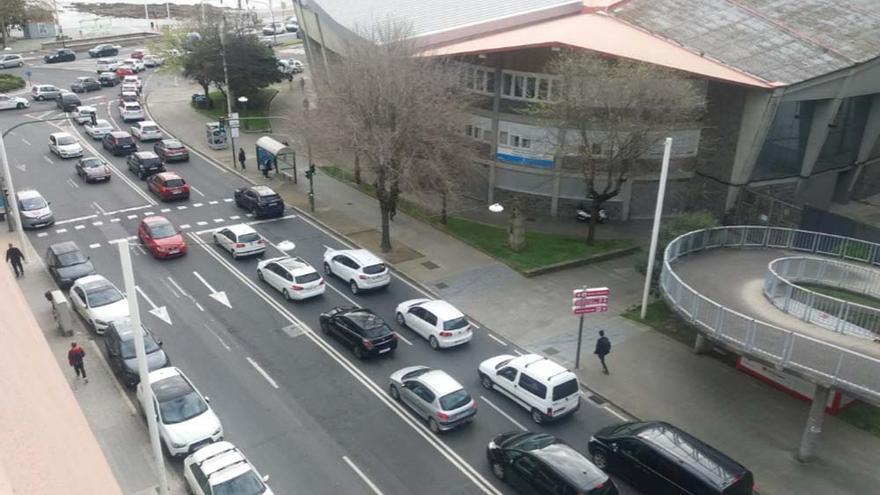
174	183
246	484
501	364
92	163
62	140
565	389
373	269
71	258
30	204
162	230
128	348
308	277
252	237
178	401
101	123
454	400
102	295
455	324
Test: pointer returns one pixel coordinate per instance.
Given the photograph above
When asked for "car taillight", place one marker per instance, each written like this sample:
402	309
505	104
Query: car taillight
394	335
549	411
239	245
446	334
442	416
297	287
368	344
362	277
467	328
261	241
321	282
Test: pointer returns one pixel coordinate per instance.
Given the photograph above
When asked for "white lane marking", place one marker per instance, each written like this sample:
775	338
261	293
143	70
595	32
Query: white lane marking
493	406
363	476
234	217
165	210
257	222
42	234
219	220
181	207
131	217
196	205
128	402
97	224
496	339
140	249
200	193
126	210
115	241
114	220
44	114
148	213
612	411
218	337
249	215
79	227
518	353
72	184
201	223
60	231
227	200
110	114
170	289
184	226
213	202
95	245
262	372
98	207
160	312
48	160
25	141
401	337
208	231
74	220
219	296
178	287
199	306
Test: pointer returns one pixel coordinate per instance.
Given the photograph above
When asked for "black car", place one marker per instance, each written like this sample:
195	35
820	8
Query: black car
656	457
120	346
119	143
67	102
537	463
109	79
363	331
144	164
171	150
262	201
67	263
60	55
104	50
85	84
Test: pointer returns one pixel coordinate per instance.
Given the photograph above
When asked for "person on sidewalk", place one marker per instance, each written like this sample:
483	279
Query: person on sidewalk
15	256
75	357
241	157
265	167
603	348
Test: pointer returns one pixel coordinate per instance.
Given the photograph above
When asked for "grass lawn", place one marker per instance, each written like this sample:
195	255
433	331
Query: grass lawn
864	416
844	294
660	317
257	106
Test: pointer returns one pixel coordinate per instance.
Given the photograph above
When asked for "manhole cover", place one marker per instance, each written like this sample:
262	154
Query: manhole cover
598	399
440	285
551	351
430	265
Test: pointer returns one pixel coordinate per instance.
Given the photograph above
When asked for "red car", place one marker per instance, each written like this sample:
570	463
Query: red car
138	54
161	237
168	186
124	71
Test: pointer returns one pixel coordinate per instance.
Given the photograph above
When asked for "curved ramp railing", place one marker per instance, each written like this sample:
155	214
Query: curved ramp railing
809	357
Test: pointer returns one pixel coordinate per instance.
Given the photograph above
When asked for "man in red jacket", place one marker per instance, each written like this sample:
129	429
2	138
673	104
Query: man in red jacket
75	357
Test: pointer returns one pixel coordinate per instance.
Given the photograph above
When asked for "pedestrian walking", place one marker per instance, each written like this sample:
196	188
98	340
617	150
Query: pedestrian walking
241	157
75	357
265	166
603	348
15	256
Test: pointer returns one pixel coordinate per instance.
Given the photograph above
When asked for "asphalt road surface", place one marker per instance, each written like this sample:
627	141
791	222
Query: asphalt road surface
303	409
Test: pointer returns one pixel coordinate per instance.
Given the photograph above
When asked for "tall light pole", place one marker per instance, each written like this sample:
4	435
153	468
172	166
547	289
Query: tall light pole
12	214
226	83
655	232
146	11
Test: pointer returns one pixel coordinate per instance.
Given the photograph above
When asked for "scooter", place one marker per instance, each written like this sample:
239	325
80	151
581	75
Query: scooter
583	214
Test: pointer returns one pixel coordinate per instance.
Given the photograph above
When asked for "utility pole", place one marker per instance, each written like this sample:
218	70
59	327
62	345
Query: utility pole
310	172
226	83
12	214
658	212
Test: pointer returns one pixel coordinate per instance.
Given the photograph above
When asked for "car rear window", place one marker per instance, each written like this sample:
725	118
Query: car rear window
268	199
374	269
308	277
151	161
252	237
125	140
62	140
174	183
455	400
566	389
455	324
132	108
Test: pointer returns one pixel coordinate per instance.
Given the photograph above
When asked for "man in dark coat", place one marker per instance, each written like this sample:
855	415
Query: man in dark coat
75	357
15	256
603	348
241	157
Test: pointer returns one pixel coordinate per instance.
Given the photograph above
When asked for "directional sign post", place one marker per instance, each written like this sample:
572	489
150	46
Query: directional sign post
587	300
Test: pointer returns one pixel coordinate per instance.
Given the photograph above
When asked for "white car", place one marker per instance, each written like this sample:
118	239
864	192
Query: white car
292	277
186	421
240	240
136	80
220	468
153	61
11	60
146	131
437	321
130	88
135	64
276	28
107	65
33	209
359	268
83	114
13	102
131	111
64	145
98	301
541	386
99	130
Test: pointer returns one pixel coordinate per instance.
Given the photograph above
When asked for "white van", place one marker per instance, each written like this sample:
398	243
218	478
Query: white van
546	389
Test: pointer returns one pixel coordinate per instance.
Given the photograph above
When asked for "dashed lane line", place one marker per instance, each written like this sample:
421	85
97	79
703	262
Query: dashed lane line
74	220
496	339
95	245
262	372
501	412
184	226
362	476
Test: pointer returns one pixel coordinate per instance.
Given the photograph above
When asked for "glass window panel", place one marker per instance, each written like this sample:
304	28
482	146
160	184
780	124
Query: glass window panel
543	88
490	81
502	137
518	83
530	88
507	87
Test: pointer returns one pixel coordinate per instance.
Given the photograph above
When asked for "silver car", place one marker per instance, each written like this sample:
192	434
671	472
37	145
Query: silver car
40	92
433	395
33	209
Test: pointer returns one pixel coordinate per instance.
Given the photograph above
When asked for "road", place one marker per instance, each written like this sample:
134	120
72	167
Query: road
301	406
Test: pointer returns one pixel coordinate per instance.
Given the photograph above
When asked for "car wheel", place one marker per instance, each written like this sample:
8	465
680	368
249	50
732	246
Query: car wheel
19	106
39	98
433	426
392	391
260	275
325	328
354	287
537	417
486	382
327	270
433	342
358	352
216	242
400	320
286	295
600	460
498	470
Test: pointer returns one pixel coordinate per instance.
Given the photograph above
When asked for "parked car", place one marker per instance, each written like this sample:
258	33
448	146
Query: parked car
93	169
536	463
33	209
161	237
67	263
10	60
168	186
151	61
60	55
240	240
294	278
185	419
103	50
107	65
361	330
64	145
100	128
291	25
144	164
119	343
146	130
119	143
40	92
13	102
359	268
262	201
439	322
544	388
171	150
656	457
131	111
434	395
108	79
220	468
67	101
84	114
274	28
98	301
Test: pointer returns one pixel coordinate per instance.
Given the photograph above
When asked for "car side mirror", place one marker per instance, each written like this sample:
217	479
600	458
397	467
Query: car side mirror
266	478
159	343
207	399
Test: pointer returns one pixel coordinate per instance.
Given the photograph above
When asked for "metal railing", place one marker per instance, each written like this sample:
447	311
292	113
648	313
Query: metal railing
782	289
815	359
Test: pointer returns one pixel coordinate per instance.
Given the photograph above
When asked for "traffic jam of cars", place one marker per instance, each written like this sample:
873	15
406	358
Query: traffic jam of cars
647	455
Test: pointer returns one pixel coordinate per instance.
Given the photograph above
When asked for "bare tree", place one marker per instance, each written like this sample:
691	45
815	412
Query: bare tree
402	114
615	111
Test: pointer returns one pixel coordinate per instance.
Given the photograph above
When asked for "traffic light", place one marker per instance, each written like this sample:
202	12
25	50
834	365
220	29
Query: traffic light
311	172
94	118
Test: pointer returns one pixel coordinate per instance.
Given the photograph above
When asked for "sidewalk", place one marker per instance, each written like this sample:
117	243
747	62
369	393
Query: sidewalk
652	376
120	431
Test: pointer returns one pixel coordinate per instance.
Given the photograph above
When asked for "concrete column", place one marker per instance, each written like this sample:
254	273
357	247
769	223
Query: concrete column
493	146
490	195
814	424
702	344
869	138
823	115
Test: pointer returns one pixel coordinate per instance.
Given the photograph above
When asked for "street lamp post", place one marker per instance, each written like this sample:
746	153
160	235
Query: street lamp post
226	83
658	212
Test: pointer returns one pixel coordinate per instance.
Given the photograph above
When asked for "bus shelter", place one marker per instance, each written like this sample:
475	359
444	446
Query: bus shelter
276	155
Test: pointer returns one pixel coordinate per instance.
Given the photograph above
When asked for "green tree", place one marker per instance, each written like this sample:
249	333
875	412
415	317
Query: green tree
203	63
12	12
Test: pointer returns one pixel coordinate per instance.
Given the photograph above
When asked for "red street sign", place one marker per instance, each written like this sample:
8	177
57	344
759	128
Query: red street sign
591	291
589	301
581	310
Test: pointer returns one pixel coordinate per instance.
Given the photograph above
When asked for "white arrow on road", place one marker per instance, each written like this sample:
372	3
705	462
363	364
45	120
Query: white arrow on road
219	296
160	312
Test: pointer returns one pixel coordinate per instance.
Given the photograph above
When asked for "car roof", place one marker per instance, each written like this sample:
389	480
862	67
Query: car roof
145	123
362	256
146	154
241	228
163	373
102	122
57	135
570	464
85	108
28	193
542	368
364	318
442	309
130	104
294	265
119	134
169	175
170	386
263	190
155	219
64	247
439	382
172	142
221	461
93	281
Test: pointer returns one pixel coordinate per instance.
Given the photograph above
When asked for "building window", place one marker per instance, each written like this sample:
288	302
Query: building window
529	86
490	82
502	137
507	88
596	150
543	88
518	83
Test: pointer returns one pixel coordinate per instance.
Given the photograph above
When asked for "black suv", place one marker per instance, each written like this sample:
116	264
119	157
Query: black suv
60	55
541	463
656	457
67	102
363	331
144	164
85	84
119	143
259	200
121	353
104	50
67	263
